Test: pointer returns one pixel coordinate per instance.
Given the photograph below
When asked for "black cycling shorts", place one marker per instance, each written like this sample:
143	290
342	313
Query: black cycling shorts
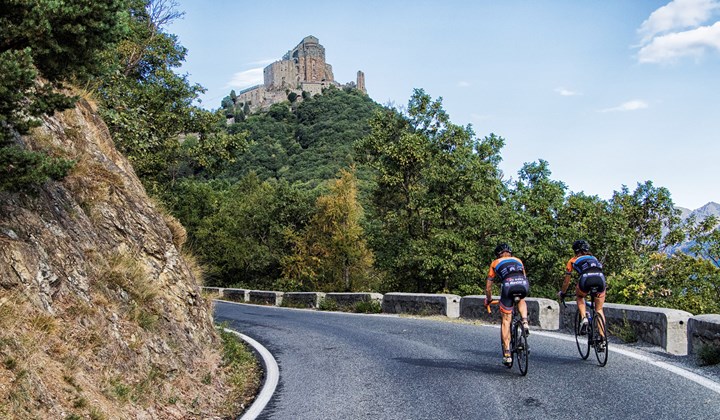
517	286
590	280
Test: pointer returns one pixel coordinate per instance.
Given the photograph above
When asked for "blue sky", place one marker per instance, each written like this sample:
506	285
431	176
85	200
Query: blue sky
610	93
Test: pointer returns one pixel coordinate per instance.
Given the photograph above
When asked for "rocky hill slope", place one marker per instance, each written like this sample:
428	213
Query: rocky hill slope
100	313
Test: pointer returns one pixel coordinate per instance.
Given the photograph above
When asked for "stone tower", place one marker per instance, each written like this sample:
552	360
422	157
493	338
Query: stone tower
361	82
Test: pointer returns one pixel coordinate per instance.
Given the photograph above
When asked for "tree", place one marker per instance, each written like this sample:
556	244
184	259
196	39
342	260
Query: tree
44	45
147	106
332	252
650	217
438	190
536	201
705	238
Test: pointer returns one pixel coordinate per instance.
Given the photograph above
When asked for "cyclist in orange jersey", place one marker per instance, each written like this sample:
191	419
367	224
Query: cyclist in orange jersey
590	272
510	272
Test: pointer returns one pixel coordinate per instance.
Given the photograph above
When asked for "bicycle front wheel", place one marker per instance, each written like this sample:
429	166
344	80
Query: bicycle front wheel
600	342
583	343
522	351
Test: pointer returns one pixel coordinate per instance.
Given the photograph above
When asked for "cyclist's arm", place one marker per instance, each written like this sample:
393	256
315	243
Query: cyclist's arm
566	283
488	288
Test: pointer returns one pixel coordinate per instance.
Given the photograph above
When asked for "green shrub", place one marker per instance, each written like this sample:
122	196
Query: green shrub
708	355
367	307
328	305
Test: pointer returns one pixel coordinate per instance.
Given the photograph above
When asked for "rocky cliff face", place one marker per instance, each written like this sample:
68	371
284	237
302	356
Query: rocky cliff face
100	312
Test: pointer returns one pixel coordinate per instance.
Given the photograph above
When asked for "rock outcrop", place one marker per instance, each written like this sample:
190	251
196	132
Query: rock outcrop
100	312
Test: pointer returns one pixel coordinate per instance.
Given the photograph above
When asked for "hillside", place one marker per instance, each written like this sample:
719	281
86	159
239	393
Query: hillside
101	314
306	142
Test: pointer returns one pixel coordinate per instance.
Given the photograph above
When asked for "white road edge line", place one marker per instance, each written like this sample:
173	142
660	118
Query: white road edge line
272	376
698	379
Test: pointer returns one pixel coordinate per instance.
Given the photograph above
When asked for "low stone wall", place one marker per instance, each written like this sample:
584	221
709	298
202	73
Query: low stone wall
213	290
265	297
421	304
348	300
703	330
662	327
677	332
542	313
303	299
235	295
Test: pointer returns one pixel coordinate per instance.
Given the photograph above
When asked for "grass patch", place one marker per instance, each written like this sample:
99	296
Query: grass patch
244	373
367	307
328	305
708	355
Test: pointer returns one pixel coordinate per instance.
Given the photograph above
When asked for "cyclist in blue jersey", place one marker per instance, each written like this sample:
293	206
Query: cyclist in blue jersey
510	272
590	274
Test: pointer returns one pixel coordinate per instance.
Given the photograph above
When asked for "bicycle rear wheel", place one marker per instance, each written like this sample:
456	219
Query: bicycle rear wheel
600	342
521	349
583	343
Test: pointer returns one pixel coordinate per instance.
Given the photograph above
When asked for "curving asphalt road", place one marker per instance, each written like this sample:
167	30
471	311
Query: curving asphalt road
347	366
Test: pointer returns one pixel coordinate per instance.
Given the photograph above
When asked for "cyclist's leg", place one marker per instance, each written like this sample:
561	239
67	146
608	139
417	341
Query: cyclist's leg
522	308
580	299
599	301
505	331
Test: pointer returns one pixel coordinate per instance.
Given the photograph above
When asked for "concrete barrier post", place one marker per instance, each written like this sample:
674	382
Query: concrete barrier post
235	295
703	330
421	304
303	299
218	291
265	297
666	328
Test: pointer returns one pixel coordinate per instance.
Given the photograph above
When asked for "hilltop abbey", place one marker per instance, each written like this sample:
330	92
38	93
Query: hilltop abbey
302	69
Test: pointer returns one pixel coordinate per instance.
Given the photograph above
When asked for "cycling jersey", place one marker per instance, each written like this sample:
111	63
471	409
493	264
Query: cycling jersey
510	272
590	272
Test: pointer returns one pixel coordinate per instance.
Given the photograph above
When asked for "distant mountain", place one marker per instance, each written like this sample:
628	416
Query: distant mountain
709	209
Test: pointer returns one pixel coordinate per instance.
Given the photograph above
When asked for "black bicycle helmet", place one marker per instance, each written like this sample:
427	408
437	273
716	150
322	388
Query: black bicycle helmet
581	246
502	248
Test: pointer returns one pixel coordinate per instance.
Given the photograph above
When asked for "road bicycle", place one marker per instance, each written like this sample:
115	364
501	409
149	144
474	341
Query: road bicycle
519	349
596	336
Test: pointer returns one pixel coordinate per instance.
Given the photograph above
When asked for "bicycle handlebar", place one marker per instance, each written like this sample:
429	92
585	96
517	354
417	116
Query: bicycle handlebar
492	302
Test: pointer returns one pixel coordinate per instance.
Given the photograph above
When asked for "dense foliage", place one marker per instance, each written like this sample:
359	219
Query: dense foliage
44	45
304	142
333	191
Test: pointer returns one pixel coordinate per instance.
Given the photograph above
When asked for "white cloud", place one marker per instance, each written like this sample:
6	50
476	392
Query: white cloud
463	83
670	47
633	105
263	62
247	78
566	92
677	15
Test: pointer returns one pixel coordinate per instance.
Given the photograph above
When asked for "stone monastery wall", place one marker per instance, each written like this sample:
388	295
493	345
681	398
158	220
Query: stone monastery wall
301	69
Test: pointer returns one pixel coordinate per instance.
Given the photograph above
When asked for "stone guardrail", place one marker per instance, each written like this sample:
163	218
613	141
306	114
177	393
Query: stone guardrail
703	330
348	300
421	304
542	313
265	297
236	295
303	299
676	331
666	328
213	290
